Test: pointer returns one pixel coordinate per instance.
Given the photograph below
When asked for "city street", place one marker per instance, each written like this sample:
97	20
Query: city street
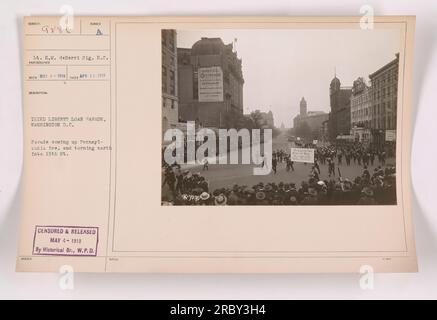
226	175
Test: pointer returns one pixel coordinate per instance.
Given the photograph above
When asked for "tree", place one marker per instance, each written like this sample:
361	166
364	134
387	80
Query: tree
257	119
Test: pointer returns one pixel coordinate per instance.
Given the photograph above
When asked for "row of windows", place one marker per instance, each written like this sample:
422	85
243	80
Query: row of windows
172	103
383	115
168	61
383	107
361	99
362	124
168	39
387	78
384	92
168	81
384	123
360	113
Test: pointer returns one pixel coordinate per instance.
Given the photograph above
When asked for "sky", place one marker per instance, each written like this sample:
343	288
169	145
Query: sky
282	66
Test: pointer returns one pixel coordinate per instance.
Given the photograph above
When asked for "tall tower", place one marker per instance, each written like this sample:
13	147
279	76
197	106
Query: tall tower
334	90
303	107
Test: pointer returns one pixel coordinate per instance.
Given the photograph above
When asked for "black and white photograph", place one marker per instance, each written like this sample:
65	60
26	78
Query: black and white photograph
279	116
292	141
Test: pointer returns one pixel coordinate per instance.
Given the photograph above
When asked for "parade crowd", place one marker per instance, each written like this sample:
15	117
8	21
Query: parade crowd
372	187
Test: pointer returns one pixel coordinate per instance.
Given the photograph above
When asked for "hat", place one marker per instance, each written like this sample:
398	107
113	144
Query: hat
233	198
220	200
293	199
312	192
260	195
197	191
250	191
367	191
204	196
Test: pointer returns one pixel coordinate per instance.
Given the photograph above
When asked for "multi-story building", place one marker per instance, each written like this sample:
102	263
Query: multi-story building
384	86
169	80
340	115
210	83
324	131
313	119
361	107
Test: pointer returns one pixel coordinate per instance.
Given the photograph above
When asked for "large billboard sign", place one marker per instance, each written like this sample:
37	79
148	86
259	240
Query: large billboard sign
210	84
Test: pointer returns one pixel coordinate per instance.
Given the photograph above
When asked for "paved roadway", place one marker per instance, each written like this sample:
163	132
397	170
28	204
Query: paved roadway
226	175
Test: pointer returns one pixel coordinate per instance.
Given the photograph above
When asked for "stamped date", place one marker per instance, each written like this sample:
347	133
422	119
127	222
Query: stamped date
66	241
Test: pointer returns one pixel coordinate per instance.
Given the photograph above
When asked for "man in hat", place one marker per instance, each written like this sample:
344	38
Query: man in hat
383	155
314	173
274	164
366	197
339	157
316	165
250	197
203	183
170	179
204	198
261	198
292	201
348	158
310	197
322	192
372	158
179	181
233	198
220	200
205	164
331	167
276	199
366	174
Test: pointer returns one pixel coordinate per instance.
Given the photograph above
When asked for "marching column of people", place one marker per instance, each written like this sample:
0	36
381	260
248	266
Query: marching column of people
369	188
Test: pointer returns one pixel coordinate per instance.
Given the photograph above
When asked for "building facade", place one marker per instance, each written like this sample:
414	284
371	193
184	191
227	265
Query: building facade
361	111
324	131
313	120
340	115
210	83
169	80
384	90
